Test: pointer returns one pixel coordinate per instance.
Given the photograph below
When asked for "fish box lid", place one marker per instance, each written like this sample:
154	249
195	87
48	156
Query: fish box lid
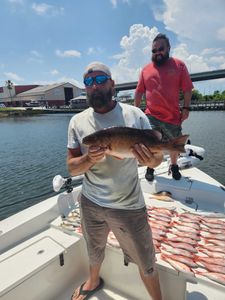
26	262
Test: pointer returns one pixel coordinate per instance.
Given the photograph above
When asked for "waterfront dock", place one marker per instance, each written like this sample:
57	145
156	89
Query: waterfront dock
203	105
21	111
208	105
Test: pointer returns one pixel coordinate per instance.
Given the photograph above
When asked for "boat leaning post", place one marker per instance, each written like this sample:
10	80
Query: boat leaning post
67	201
66	182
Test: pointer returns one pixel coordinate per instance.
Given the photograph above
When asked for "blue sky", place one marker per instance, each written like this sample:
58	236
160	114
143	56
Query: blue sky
44	42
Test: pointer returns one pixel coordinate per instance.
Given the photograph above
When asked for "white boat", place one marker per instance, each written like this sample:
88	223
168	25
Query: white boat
42	260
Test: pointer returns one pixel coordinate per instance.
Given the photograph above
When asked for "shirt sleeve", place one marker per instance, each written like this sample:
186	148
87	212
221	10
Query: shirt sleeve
141	85
144	121
72	137
186	83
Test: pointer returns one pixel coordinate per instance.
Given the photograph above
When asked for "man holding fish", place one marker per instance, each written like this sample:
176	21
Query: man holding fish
111	197
161	82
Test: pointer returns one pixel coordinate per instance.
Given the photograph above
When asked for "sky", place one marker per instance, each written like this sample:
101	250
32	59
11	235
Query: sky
49	41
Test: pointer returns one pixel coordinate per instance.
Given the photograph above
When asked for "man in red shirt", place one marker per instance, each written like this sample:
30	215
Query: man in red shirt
161	82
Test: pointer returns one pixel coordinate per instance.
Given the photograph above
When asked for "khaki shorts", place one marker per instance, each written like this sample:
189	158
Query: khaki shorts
130	227
168	131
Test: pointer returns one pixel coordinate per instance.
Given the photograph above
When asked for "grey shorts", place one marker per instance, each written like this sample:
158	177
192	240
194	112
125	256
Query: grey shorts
168	131
130	227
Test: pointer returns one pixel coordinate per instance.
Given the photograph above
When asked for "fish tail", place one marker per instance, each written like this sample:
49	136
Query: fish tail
178	143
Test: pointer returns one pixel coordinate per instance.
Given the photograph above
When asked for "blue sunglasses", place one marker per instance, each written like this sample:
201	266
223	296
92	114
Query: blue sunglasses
99	79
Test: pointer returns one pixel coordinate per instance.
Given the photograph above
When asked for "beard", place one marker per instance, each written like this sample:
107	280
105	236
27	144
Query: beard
160	59
100	99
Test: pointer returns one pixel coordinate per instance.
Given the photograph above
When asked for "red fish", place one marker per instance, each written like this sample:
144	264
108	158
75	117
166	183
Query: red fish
119	141
177	251
179	266
217	277
212	267
185	240
184	246
212	253
214	236
183	259
210	260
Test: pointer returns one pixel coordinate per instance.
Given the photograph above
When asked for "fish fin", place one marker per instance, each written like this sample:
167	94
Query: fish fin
153	134
179	142
157	134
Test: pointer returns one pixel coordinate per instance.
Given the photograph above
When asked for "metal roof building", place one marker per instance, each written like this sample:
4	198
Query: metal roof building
58	94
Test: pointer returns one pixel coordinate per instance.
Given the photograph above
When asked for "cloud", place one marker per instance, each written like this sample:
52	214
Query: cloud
17	5
196	30
221	34
193	21
46	9
13	76
94	50
68	53
16	1
35	57
35	53
115	2
54	72
195	63
136	49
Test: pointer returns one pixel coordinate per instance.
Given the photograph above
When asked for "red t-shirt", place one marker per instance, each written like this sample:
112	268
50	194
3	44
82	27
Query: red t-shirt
162	86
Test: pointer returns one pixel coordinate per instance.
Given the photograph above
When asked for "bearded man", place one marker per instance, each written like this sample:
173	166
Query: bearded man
111	197
161	82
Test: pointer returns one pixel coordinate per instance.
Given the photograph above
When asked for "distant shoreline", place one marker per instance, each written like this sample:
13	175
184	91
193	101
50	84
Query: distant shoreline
20	112
30	111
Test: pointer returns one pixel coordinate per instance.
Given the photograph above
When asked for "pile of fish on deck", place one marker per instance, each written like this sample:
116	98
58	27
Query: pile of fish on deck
190	243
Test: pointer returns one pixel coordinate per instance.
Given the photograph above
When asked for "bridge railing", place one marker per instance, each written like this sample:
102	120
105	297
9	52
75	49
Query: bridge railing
217	74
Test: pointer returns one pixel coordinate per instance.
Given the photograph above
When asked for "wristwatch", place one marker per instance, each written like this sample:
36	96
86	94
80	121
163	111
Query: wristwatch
186	107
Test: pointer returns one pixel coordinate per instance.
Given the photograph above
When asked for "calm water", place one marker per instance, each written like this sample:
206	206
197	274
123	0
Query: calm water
33	151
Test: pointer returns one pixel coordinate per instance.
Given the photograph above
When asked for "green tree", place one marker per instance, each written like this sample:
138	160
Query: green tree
217	96
196	96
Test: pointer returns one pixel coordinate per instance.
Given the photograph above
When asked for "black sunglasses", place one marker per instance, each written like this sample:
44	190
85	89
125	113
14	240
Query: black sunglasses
99	79
160	49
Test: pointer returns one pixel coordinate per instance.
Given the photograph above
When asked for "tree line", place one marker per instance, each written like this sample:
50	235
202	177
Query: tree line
216	96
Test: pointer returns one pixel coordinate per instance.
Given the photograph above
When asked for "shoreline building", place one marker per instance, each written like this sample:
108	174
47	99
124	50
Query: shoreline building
53	95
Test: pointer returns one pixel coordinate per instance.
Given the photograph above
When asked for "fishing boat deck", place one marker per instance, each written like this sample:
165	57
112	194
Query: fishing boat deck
43	261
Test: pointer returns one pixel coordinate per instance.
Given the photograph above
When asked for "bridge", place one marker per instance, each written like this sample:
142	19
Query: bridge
194	77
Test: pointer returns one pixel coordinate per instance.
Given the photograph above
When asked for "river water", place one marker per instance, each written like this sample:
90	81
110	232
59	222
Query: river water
33	151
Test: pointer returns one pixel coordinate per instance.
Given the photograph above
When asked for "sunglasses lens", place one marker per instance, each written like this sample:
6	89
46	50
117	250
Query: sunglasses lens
100	79
160	49
88	81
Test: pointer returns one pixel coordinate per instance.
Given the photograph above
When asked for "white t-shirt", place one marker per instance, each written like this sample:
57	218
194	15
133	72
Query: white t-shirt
112	182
